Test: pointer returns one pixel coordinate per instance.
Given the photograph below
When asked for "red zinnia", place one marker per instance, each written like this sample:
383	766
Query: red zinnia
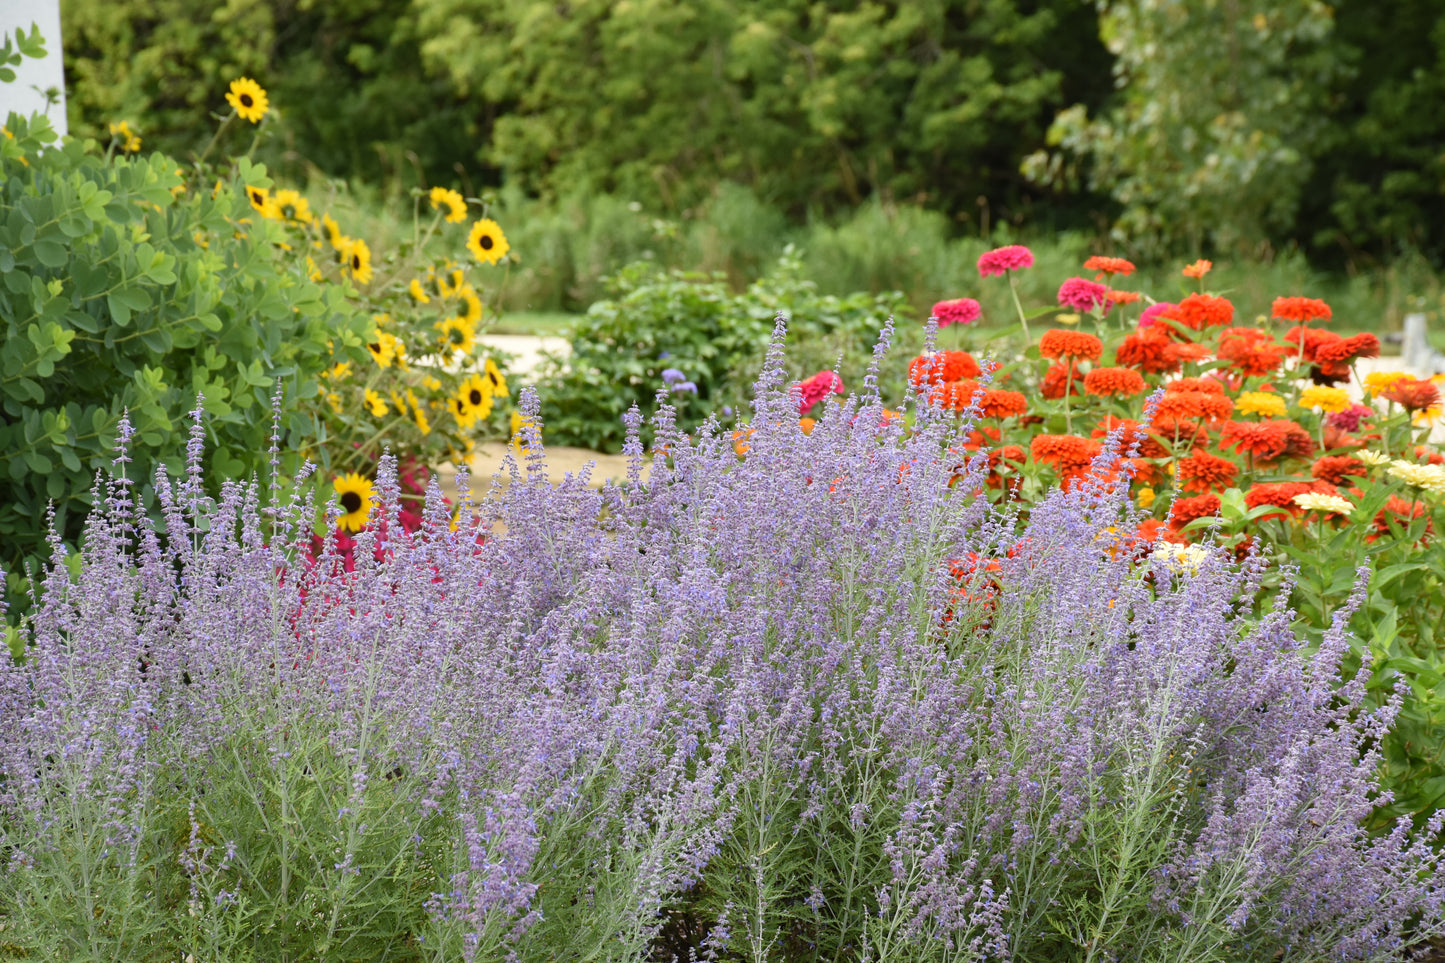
1300	310
1078	345
1203	472
1267	440
1336	469
1345	350
1069	454
1403	512
1012	258
1121	382
1281	495
1413	394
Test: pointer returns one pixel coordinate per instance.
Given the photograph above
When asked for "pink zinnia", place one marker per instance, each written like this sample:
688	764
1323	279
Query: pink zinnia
957	311
818	387
1153	312
1012	258
1082	294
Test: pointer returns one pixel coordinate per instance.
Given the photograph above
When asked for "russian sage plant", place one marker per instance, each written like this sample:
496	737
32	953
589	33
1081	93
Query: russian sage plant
816	701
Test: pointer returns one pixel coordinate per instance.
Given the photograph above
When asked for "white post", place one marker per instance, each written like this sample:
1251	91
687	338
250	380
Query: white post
26	93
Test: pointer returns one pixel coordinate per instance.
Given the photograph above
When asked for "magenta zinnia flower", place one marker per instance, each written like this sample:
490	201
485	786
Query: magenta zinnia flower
1154	311
1350	418
957	311
1012	258
818	387
1082	294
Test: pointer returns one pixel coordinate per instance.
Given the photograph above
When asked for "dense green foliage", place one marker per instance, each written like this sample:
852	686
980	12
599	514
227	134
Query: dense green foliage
1255	124
692	323
120	290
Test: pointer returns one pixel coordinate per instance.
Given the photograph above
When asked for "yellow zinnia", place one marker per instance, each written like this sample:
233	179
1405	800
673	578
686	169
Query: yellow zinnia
1324	397
1378	381
249	99
1260	403
456	207
486	241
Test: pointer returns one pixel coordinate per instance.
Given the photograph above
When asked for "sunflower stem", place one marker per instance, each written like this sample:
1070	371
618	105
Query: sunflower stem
216	137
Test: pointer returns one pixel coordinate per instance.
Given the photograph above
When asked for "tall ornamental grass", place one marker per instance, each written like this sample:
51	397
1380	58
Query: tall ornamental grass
794	698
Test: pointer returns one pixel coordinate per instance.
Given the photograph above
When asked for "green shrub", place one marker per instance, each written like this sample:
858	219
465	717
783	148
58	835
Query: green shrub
120	288
692	322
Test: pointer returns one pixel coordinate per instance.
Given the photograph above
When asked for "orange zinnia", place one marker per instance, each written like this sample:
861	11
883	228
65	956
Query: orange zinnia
1204	472
1211	386
1186	510
1123	297
1200	311
942	366
953	395
1120	382
1345	350
1109	265
1282	494
1300	310
1149	350
1413	394
1198	269
1069	454
1250	351
1193	405
1403	513
1060	379
1079	345
997	403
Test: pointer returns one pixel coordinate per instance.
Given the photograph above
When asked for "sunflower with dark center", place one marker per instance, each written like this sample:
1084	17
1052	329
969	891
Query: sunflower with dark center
473	400
260	199
495	378
249	100
356	259
353	494
291	207
458	334
456	207
486	242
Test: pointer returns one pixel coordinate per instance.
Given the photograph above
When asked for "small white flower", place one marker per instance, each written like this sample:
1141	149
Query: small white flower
1372	458
1429	477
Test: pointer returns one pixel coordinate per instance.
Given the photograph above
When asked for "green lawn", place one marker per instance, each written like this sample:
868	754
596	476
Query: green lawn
539	323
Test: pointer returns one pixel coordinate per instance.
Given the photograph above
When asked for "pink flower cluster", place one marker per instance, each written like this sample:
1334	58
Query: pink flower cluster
1081	294
1012	258
957	311
818	387
1155	311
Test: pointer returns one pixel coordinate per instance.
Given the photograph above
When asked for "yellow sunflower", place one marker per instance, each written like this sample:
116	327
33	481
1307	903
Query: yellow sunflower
260	199
339	371
421	420
375	404
457	334
333	231
129	142
430	383
386	349
418	292
356	260
249	99
292	208
312	271
519	422
486	242
446	197
473	313
353	493
473	401
495	378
